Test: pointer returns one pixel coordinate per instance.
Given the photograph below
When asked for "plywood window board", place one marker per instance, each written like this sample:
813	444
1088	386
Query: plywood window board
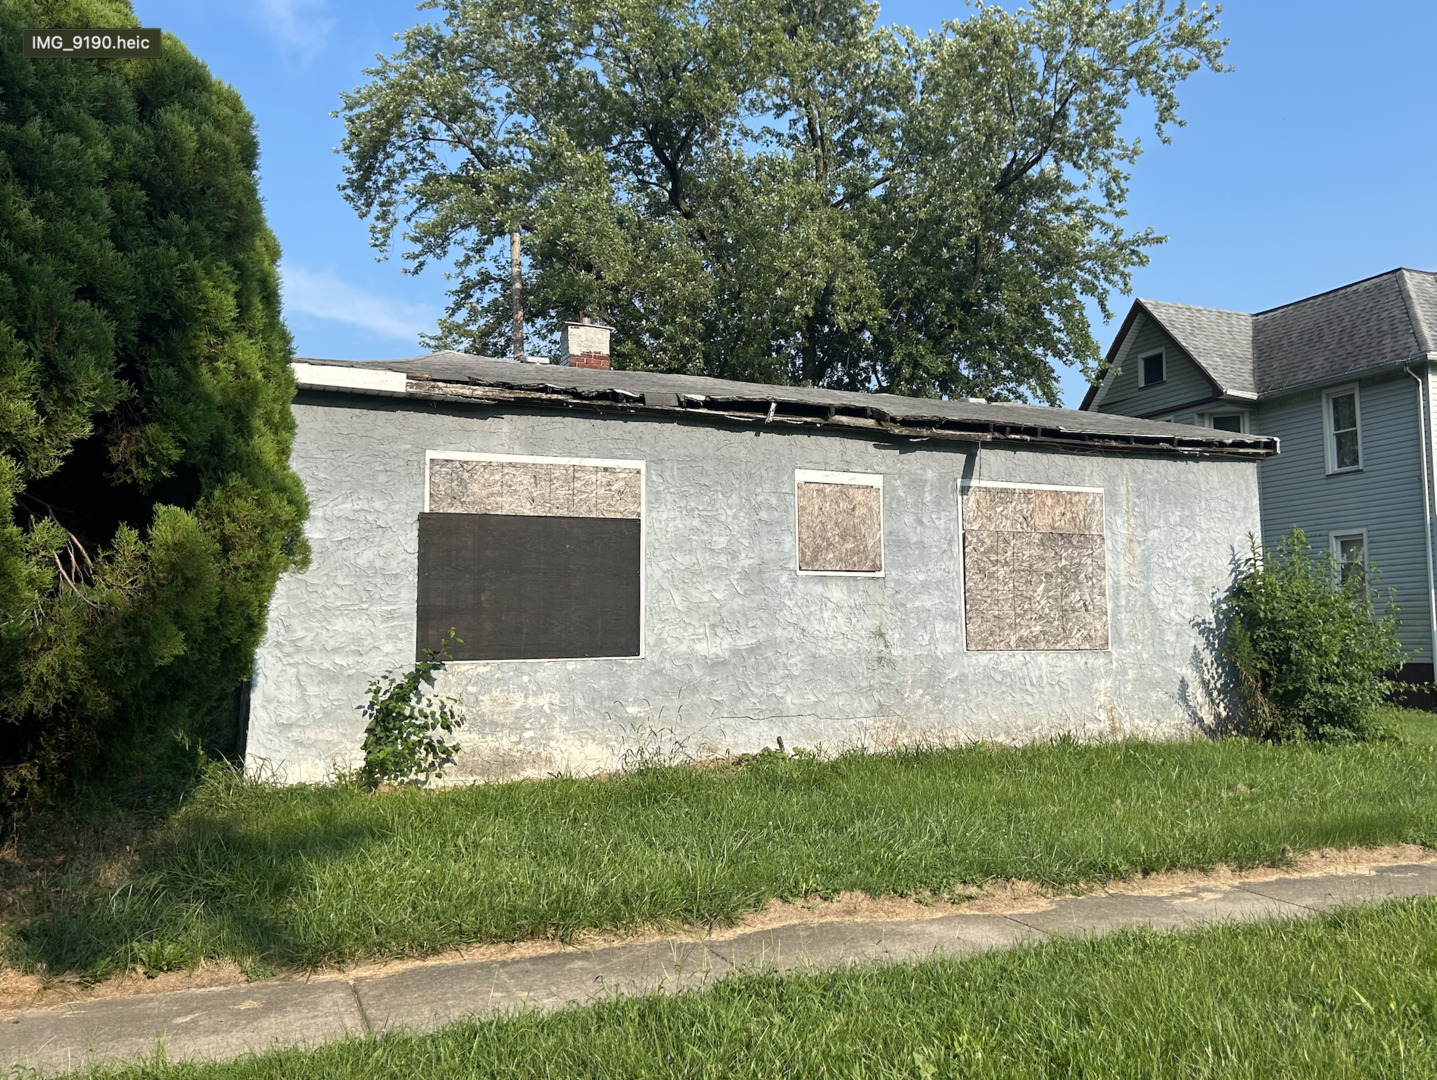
531	558
839	520
1034	568
533	488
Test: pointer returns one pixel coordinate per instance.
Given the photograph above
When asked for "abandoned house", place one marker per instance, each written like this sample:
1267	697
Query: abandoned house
685	565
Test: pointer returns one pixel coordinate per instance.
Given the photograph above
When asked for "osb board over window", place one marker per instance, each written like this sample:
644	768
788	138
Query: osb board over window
840	525
532	489
1034	569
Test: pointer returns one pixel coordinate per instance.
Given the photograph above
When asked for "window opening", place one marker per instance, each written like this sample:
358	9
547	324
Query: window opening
1154	368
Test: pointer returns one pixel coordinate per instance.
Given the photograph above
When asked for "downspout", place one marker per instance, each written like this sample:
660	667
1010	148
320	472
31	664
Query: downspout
1426	517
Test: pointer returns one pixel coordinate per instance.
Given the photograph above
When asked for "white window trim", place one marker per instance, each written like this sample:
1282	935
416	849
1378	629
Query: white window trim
1345	534
1244	414
1142	368
1329	438
964	486
819	476
529	459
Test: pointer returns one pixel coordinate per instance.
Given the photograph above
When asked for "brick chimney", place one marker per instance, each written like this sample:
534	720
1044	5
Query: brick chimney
584	344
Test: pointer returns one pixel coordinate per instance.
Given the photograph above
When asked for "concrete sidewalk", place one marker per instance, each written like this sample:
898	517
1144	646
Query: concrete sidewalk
223	1023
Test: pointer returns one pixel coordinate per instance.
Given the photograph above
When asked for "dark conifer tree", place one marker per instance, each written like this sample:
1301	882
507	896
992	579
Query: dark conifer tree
146	502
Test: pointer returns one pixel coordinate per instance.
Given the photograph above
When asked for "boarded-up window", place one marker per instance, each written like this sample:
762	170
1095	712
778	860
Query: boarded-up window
531	560
840	523
1034	569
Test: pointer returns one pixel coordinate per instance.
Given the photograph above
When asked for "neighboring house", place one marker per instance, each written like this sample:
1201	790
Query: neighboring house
641	561
1344	380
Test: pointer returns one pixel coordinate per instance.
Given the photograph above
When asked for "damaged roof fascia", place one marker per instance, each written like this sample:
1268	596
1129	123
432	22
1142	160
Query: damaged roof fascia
765	405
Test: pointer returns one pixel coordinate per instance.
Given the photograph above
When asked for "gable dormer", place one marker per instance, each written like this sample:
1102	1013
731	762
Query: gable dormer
1150	374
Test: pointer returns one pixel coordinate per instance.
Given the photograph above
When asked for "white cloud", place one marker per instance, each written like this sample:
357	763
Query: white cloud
298	25
324	295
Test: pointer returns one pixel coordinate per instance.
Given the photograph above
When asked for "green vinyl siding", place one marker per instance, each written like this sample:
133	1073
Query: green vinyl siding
1385	498
1184	385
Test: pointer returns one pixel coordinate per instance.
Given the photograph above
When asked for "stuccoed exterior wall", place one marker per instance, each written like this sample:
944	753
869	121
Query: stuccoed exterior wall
740	649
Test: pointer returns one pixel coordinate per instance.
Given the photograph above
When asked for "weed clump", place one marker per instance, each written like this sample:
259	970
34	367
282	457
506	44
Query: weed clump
404	735
1314	655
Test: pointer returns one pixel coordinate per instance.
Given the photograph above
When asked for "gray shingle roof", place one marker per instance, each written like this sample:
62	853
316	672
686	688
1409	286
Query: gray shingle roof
1363	325
1379	321
719	399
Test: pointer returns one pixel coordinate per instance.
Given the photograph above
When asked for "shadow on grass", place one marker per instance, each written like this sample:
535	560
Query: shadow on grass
195	887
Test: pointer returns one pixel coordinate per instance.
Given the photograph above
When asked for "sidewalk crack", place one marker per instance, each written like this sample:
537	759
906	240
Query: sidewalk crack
1247	887
1025	925
359	1004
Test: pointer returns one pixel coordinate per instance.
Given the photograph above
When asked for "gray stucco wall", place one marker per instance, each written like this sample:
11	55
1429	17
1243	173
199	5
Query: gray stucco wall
739	648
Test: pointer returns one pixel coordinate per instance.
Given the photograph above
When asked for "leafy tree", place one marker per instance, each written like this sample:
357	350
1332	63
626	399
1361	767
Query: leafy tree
778	190
1314	658
146	504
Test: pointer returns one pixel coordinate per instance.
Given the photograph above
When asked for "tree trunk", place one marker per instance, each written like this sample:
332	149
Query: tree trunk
516	289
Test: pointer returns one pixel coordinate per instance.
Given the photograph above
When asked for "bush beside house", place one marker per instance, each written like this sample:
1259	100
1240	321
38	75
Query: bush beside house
1314	656
146	503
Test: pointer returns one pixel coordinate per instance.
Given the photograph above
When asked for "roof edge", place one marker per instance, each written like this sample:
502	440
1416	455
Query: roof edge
873	420
1348	376
1096	388
1337	289
1414	312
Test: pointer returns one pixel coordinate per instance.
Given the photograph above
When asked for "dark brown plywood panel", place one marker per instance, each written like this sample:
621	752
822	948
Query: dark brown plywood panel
1034	570
840	527
529	587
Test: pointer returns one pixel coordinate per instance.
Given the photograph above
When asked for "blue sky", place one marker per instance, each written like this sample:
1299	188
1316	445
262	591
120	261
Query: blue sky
1311	165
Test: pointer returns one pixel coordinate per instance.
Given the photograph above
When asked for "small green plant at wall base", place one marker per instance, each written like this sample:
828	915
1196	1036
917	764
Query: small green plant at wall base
1313	655
403	739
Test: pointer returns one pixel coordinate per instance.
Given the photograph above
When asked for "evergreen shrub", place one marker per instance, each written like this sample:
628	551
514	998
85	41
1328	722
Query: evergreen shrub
146	502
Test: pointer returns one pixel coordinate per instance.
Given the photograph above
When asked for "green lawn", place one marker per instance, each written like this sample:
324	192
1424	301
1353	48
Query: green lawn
302	876
1349	995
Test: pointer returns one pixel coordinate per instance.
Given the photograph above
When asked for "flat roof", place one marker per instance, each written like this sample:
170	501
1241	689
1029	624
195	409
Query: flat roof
458	378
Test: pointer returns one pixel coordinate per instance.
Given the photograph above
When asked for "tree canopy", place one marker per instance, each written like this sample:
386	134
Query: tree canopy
146	502
778	190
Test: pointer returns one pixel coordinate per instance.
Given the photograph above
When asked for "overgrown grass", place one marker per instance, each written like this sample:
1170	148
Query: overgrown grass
1349	995
308	875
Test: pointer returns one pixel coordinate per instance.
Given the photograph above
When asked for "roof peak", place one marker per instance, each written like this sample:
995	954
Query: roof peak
1191	307
1394	272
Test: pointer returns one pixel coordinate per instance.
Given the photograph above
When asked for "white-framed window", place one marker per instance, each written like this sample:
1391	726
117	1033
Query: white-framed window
531	558
1152	368
1349	553
1342	429
1234	421
838	523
